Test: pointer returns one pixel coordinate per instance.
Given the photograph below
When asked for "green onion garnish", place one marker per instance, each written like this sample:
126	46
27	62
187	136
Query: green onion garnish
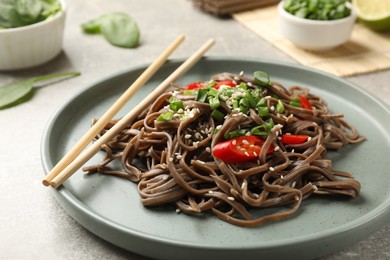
261	78
168	116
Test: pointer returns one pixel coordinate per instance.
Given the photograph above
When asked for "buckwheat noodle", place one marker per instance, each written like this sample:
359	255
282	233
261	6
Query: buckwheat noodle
172	161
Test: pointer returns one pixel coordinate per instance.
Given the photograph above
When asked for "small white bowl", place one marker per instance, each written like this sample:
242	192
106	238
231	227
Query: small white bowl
315	34
32	45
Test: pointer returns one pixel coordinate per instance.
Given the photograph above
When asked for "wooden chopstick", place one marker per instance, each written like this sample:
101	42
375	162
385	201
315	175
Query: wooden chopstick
112	111
131	116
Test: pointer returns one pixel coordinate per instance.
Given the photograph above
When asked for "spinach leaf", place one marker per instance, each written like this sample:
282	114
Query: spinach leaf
17	13
28	10
119	29
17	92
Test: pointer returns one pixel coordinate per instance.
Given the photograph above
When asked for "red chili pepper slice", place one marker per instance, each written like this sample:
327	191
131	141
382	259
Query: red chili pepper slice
294	139
305	102
194	86
240	149
225	82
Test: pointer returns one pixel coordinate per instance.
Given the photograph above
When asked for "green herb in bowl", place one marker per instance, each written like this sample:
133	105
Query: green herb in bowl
18	13
318	9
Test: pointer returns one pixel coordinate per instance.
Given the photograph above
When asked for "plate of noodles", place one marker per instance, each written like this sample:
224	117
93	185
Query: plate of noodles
239	158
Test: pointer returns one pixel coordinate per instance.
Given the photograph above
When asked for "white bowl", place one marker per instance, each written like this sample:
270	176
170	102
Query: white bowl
315	34
32	45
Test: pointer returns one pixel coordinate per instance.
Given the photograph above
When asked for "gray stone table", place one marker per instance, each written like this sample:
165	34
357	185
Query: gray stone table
32	224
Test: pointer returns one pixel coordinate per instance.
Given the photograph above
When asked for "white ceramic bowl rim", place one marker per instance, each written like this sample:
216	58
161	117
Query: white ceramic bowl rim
41	23
319	22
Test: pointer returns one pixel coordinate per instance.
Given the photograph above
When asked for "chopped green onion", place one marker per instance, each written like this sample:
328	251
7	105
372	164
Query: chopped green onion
201	96
235	133
189	92
318	9
175	104
263	111
262	102
279	107
295	102
214	102
217	115
263	129
168	116
261	78
242	86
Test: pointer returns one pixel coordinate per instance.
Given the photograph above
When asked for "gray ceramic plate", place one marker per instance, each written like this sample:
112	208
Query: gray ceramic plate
110	207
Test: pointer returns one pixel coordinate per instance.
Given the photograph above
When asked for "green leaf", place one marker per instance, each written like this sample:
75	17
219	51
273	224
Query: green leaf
119	29
18	92
92	26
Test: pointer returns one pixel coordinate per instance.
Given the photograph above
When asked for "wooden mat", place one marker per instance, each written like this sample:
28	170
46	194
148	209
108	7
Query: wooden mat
365	52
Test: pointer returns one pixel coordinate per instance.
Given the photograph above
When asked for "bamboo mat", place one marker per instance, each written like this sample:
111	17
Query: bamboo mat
365	52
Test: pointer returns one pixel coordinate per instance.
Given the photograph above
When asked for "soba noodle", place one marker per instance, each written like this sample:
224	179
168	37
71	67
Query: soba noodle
168	151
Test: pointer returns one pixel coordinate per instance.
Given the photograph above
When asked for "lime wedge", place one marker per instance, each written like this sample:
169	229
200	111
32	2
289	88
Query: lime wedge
375	14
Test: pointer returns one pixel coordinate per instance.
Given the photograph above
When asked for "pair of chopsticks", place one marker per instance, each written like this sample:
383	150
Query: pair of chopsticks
77	156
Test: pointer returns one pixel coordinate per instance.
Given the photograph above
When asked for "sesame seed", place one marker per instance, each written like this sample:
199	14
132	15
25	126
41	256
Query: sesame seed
271	169
196	144
249	84
308	139
293	184
165	177
296	197
234	82
254	153
179	156
234	142
282	177
245	142
180	111
272	108
236	78
208	149
210	191
241	73
177	210
198	136
267	97
171	159
231	198
248	133
219	127
293	150
246	153
315	188
276	148
187	136
199	161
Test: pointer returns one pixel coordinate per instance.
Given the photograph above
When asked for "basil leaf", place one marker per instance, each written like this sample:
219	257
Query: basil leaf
17	92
